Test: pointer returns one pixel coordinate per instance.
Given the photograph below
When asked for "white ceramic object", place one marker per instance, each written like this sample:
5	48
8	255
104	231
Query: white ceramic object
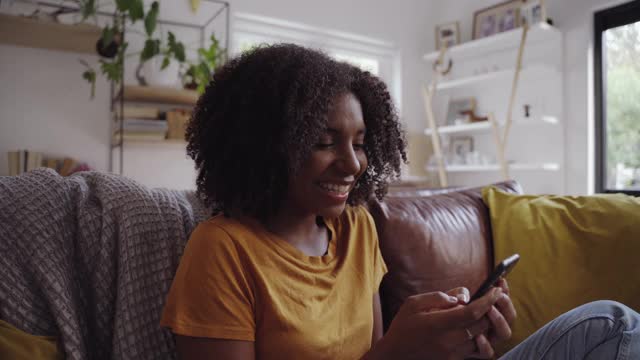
151	70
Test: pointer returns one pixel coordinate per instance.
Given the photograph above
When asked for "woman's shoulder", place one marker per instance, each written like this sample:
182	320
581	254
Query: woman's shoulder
220	231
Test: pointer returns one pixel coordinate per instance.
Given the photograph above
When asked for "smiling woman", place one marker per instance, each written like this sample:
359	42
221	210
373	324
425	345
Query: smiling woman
287	142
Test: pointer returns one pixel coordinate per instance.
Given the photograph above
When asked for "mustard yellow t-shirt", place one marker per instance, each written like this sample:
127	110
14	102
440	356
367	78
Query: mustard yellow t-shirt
239	281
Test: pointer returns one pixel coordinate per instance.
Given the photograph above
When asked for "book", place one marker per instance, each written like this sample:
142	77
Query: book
177	120
139	136
34	160
139	112
22	163
143	125
13	162
67	166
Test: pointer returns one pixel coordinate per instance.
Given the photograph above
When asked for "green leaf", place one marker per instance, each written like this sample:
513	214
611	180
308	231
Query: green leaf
123	5
175	48
88	8
107	35
90	76
151	49
151	19
165	63
112	70
136	10
179	52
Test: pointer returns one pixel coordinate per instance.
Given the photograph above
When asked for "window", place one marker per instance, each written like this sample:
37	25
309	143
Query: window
617	105
379	57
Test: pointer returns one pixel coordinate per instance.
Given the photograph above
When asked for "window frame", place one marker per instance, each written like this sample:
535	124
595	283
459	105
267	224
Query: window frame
270	29
603	20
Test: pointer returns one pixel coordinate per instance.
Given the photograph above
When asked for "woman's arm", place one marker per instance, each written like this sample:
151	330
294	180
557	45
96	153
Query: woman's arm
377	320
203	348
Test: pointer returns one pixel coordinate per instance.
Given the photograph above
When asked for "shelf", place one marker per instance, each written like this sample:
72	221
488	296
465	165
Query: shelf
23	31
151	142
474	79
156	94
486	125
496	167
541	32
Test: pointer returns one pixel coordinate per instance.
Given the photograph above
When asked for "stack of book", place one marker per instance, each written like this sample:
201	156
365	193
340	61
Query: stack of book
23	160
141	124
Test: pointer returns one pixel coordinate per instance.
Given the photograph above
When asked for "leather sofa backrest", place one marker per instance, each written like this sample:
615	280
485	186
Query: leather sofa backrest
433	240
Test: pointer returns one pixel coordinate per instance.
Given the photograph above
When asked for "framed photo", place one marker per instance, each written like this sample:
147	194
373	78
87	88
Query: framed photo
533	12
459	110
497	18
447	35
460	146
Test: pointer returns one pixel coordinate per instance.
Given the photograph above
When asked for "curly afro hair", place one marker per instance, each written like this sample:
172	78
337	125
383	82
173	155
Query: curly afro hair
262	113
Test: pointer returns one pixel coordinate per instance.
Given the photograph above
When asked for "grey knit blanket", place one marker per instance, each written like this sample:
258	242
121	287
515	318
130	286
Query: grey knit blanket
90	258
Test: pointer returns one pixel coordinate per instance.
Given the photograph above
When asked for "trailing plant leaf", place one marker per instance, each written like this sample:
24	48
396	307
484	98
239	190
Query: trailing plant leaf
122	5
107	35
90	76
114	70
111	69
151	18
175	48
136	11
88	8
151	49
165	63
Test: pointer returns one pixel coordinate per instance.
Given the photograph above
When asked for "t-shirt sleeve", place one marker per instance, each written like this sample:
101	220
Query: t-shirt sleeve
211	294
379	266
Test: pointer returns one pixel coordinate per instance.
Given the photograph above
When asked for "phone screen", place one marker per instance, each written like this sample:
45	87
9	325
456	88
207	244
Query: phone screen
502	269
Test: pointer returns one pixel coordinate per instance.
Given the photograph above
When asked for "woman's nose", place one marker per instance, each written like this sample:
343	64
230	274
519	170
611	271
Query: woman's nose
348	161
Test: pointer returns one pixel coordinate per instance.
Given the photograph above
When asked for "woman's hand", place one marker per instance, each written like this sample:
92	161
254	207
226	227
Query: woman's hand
435	325
502	315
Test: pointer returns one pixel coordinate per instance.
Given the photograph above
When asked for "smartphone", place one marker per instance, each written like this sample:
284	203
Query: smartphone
502	269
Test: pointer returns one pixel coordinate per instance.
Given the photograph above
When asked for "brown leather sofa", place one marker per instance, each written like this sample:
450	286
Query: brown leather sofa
433	240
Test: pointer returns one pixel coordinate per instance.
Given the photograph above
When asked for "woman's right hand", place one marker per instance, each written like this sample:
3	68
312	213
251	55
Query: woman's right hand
434	326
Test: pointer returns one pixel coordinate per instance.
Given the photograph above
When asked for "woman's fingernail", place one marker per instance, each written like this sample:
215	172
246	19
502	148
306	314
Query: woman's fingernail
463	297
453	299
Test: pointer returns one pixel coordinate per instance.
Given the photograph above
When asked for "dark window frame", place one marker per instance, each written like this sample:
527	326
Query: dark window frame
624	14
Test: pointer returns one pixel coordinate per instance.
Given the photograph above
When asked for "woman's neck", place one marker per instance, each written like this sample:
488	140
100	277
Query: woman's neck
303	232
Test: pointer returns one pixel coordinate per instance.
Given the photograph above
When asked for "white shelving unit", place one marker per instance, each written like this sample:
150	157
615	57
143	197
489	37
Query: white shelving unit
484	69
496	167
481	126
541	32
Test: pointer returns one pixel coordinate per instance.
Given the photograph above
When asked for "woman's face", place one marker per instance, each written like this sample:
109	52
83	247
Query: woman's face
337	160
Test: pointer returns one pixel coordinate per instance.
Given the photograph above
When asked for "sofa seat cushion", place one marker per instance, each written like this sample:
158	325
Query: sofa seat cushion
432	242
573	250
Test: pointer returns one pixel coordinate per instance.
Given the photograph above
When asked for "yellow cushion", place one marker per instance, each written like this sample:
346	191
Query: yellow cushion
16	344
573	250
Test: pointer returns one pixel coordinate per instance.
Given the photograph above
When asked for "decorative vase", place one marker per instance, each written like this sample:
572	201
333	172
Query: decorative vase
150	73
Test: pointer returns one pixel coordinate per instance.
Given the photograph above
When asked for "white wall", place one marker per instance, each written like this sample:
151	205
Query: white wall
45	107
575	19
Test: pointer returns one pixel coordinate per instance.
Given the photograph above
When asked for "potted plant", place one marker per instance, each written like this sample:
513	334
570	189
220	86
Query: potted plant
112	45
199	73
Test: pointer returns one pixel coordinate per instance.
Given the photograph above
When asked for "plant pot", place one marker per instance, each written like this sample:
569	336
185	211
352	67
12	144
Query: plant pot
150	73
110	50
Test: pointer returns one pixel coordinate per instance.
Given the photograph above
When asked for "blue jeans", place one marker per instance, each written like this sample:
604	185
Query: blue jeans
599	330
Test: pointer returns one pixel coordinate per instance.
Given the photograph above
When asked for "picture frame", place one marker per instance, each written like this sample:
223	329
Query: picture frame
495	19
533	12
460	147
447	34
456	109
